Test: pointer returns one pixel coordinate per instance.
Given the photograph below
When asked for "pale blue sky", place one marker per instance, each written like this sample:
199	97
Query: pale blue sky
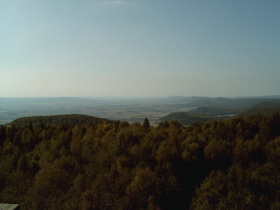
139	48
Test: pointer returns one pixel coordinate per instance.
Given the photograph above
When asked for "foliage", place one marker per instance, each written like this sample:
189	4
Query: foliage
69	163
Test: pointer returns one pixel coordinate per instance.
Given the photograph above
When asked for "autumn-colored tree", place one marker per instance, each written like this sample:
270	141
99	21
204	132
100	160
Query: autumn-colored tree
77	162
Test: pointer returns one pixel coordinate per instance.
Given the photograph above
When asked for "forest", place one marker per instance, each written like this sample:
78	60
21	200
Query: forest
52	163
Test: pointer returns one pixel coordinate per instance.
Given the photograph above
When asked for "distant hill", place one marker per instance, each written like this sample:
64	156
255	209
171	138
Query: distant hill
240	103
263	111
266	108
211	111
74	119
215	110
267	104
188	118
205	108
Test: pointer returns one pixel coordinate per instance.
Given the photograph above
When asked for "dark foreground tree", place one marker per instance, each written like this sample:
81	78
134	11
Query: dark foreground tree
146	123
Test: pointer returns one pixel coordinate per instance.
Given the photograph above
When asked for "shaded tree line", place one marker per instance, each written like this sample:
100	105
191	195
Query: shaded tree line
229	164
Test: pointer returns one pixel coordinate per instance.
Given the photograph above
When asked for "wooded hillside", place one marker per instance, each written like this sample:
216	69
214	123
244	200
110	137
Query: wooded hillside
230	164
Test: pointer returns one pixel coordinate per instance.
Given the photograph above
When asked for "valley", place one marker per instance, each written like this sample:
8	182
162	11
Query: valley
186	110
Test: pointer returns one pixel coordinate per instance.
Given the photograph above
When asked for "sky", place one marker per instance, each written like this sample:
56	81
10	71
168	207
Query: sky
139	48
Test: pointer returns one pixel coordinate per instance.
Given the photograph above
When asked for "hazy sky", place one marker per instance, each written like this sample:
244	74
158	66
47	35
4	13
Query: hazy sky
139	48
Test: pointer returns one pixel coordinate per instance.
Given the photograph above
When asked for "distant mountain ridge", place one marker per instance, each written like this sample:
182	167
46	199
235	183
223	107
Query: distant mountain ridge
226	102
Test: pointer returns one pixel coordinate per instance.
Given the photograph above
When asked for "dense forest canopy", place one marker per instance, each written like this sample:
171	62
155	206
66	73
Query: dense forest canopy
227	164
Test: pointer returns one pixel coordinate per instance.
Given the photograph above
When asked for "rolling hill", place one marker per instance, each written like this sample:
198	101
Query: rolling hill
71	120
206	109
